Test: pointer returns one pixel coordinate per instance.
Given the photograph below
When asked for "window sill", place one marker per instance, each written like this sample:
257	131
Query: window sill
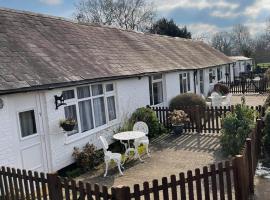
80	136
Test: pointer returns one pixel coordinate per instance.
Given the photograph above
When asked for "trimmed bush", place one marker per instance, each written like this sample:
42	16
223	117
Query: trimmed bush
148	116
187	99
235	129
221	89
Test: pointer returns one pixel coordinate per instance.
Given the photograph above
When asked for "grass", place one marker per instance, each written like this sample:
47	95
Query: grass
264	65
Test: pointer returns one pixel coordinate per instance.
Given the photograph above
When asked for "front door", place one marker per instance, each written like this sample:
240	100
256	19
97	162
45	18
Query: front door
30	135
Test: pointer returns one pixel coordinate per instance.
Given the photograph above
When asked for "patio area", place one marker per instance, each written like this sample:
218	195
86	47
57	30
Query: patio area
251	100
170	154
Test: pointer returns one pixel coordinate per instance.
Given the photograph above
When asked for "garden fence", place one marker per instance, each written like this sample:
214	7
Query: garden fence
231	179
248	86
202	120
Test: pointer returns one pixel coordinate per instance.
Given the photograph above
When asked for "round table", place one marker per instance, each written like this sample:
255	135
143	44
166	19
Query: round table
127	136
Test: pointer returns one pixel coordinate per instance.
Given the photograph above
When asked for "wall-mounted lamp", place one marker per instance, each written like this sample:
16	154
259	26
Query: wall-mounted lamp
59	101
1	103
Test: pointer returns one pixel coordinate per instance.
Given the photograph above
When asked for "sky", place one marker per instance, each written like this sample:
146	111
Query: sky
202	17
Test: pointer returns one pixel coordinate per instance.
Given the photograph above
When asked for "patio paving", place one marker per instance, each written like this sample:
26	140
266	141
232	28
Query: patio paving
170	154
251	100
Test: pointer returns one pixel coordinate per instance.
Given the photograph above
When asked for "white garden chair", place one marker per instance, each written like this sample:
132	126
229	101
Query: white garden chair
108	156
142	126
216	99
207	102
227	101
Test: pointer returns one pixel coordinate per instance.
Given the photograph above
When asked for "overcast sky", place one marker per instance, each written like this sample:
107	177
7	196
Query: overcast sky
201	16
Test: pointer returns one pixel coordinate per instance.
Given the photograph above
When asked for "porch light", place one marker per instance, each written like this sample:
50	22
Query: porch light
59	101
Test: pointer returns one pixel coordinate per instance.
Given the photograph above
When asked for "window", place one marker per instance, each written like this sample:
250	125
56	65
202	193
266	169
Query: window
228	73
184	82
68	94
219	73
70	113
27	123
212	75
156	89
201	81
95	107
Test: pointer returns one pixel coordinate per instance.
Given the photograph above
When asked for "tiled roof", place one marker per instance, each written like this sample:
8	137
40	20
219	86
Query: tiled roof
38	51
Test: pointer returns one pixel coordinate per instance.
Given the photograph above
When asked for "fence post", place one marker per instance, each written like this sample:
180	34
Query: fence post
54	187
239	178
121	193
250	165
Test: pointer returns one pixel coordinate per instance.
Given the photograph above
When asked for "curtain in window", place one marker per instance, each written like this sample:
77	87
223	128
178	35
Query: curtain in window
99	111
83	92
70	113
158	92
97	89
28	123
111	108
86	116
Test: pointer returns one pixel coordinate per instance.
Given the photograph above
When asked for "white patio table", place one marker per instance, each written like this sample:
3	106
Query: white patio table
126	137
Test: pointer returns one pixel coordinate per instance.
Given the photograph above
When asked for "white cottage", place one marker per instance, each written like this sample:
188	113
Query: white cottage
103	74
242	64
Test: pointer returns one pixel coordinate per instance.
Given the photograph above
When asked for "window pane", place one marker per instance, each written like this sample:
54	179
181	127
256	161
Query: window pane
83	92
111	108
158	93
97	89
109	87
188	81
70	113
99	111
28	123
181	83
86	116
158	76
68	94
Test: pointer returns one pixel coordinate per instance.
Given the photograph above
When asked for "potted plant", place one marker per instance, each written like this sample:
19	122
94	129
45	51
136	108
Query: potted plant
178	119
68	124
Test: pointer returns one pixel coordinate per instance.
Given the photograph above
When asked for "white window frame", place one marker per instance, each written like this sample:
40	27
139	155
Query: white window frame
75	101
219	75
152	88
213	72
19	123
188	82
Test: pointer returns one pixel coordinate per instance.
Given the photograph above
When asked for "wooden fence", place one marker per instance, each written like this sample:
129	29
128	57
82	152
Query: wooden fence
202	120
231	179
248	86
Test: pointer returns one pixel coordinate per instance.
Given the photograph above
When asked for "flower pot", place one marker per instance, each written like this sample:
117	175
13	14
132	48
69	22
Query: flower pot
68	127
178	129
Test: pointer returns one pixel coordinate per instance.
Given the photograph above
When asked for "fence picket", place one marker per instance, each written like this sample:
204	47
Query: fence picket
155	189
146	191
137	195
206	183
174	187
190	185
198	184
182	186
221	181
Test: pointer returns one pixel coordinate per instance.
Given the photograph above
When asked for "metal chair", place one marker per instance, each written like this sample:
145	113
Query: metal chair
142	126
108	156
227	101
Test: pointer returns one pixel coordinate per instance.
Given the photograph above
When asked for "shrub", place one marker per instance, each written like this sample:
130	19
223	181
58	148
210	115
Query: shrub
187	99
222	89
178	117
148	116
267	102
266	134
88	157
235	129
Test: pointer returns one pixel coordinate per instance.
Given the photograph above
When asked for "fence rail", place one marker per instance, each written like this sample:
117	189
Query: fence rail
230	179
202	120
248	86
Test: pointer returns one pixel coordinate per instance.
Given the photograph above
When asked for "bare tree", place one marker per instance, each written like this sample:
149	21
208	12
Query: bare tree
127	14
242	41
222	41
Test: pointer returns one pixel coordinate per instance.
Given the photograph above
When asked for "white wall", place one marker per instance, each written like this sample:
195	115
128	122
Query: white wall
130	95
8	138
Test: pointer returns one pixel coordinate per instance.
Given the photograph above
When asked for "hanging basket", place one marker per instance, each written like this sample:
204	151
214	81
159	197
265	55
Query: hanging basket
68	127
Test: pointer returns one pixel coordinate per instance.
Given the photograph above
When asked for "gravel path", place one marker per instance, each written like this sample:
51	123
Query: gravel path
170	154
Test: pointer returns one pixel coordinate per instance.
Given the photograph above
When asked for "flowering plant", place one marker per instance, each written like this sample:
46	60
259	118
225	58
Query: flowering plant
178	117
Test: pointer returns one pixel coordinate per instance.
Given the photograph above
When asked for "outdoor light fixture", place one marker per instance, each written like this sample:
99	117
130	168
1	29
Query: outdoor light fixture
1	103
59	101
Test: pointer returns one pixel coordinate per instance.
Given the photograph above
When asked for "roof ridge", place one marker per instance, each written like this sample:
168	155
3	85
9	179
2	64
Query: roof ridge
89	24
